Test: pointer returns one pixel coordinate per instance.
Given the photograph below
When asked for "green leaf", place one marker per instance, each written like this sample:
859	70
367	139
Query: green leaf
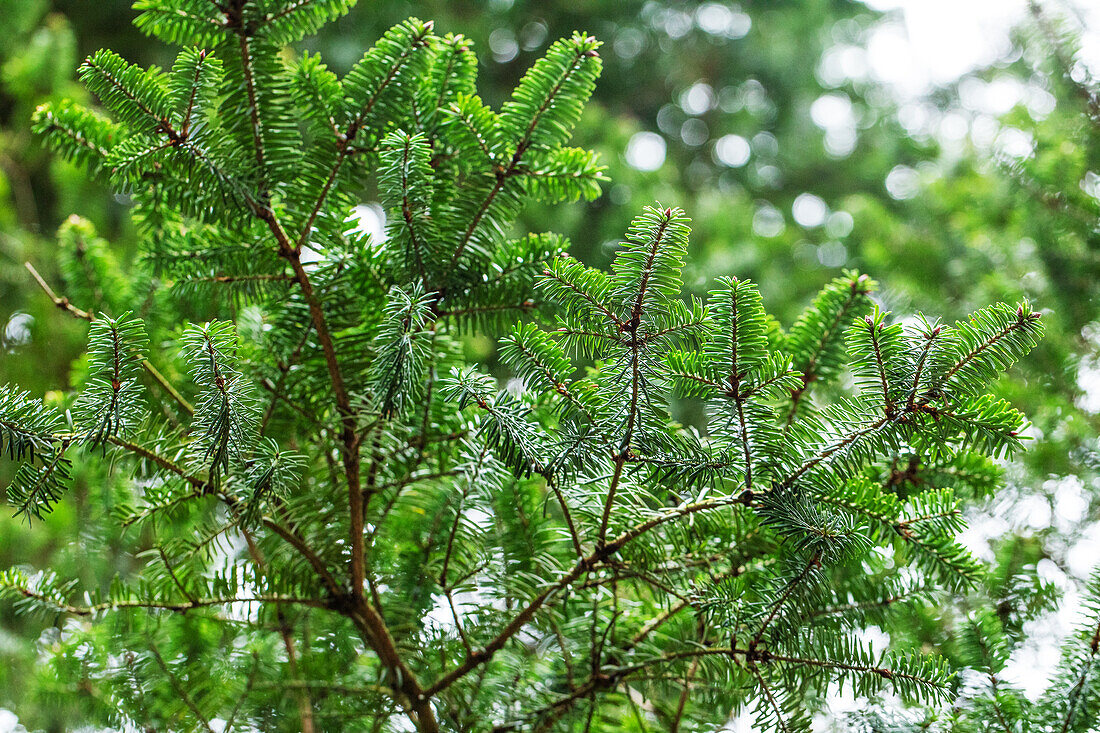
402	349
225	415
379	88
647	267
815	341
181	22
966	358
112	401
546	105
406	174
78	134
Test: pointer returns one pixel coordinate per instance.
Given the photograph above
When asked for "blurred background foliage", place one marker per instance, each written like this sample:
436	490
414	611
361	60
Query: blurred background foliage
763	121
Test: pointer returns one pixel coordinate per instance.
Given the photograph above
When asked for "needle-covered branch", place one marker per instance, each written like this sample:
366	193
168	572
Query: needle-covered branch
534	541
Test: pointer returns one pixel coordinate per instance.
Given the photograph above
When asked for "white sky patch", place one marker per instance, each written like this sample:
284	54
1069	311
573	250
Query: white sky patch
369	220
902	182
732	150
719	20
646	151
809	210
937	41
698	98
1088	370
9	722
834	114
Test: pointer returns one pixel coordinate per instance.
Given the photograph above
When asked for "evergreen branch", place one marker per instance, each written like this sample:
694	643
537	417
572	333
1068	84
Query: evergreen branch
997	708
172	573
929	337
587	297
458	47
406	209
883	672
520	620
193	94
284	370
203	488
36	490
611	677
249	684
77	133
342	152
60	302
378	635
458	516
770	698
566	331
111	403
525	307
874	332
181	691
465	114
416	40
411	40
64	304
682	702
862	605
667	615
261	277
349	435
648	230
245	49
353	347
528	346
656	241
814	562
811	336
184	606
582	51
119	82
501	175
165	21
844	443
548	715
928	518
582	566
698	379
292	8
763	386
741	318
971	361
620	461
165	463
167	386
1078	688
305	704
855	291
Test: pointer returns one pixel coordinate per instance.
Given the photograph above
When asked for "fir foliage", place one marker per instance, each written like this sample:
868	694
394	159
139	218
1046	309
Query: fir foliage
346	524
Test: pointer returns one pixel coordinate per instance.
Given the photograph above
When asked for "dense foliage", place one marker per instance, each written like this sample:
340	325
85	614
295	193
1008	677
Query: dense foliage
327	516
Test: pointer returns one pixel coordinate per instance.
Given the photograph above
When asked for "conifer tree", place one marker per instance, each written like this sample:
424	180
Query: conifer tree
338	521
